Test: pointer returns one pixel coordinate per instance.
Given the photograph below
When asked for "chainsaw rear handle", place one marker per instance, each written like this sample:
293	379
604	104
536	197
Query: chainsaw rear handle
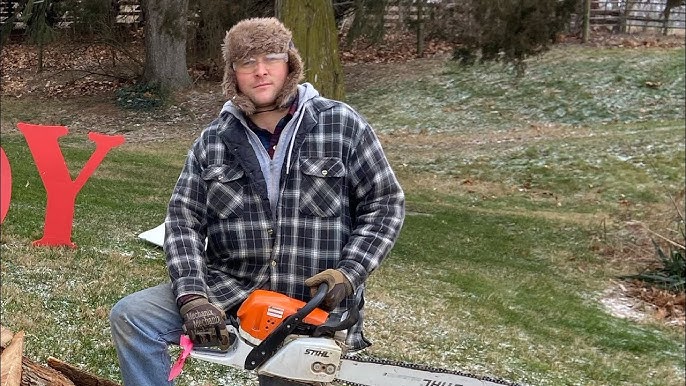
271	343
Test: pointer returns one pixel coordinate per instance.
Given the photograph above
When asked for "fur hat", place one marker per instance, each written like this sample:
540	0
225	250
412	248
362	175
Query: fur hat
252	37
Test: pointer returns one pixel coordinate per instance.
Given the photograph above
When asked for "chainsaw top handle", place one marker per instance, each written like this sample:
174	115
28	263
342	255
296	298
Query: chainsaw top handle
316	300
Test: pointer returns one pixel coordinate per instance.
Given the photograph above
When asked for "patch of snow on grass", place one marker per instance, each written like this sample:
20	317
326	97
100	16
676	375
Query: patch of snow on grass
621	306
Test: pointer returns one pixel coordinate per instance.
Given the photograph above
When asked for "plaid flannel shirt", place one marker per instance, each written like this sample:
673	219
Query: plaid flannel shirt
340	206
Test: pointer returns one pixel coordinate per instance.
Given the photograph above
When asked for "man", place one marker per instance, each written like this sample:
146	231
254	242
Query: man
285	190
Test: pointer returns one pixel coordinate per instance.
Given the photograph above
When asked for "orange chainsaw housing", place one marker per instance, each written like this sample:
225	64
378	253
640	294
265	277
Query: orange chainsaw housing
264	310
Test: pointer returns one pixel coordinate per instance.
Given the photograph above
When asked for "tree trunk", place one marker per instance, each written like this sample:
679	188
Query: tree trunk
40	57
165	43
420	27
316	37
278	6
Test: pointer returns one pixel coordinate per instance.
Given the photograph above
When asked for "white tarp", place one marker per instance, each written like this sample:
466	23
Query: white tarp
154	235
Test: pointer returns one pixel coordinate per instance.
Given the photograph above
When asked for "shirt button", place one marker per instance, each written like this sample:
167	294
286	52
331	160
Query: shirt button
270	231
325	172
273	263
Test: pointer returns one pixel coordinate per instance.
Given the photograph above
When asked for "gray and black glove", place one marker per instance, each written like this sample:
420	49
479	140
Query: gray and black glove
339	287
205	323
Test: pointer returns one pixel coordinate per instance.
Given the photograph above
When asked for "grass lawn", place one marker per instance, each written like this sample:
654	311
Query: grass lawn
515	189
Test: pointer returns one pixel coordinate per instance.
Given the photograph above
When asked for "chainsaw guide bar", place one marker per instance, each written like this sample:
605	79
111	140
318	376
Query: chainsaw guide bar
470	379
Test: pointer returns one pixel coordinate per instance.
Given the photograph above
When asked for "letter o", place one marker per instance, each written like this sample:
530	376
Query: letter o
5	185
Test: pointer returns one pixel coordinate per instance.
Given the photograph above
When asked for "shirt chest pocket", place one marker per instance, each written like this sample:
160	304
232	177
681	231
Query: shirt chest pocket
320	190
224	190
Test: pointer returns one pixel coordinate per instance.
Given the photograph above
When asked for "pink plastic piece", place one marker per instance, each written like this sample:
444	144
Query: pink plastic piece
186	347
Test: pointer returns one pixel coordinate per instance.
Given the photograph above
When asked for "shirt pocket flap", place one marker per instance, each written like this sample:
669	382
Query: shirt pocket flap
323	167
222	173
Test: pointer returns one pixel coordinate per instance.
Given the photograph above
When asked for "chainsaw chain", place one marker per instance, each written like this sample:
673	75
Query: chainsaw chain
370	359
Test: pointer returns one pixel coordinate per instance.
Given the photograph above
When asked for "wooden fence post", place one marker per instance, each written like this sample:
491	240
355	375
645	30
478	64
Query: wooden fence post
587	21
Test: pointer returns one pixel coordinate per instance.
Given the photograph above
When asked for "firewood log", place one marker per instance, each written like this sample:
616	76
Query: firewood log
5	336
10	361
30	373
34	374
78	376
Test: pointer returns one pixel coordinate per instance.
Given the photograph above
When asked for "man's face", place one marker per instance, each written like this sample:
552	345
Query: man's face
262	77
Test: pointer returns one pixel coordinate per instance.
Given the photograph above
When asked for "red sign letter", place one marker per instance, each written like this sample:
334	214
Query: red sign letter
60	189
5	185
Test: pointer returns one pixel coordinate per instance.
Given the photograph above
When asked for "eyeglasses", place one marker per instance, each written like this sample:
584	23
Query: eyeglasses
248	65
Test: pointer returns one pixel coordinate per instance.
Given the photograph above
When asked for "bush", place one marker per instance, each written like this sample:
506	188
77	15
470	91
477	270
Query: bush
91	19
669	272
142	96
507	30
367	21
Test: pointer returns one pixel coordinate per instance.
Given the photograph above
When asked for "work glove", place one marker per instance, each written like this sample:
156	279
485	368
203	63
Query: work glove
205	323
339	287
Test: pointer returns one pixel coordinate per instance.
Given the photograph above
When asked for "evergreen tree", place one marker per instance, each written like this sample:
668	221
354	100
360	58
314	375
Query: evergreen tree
40	18
512	30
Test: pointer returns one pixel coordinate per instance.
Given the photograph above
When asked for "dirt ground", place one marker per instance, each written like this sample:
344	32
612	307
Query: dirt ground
78	84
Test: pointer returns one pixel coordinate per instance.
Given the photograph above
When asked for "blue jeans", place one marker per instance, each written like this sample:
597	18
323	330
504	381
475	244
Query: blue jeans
143	326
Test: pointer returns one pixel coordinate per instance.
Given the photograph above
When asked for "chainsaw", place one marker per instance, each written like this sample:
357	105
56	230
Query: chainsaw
282	337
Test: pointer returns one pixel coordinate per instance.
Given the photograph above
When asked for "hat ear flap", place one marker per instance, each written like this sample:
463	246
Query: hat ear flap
231	92
295	75
229	83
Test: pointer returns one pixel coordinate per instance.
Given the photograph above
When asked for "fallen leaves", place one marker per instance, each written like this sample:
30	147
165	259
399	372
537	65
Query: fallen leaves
395	47
635	41
669	306
69	69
